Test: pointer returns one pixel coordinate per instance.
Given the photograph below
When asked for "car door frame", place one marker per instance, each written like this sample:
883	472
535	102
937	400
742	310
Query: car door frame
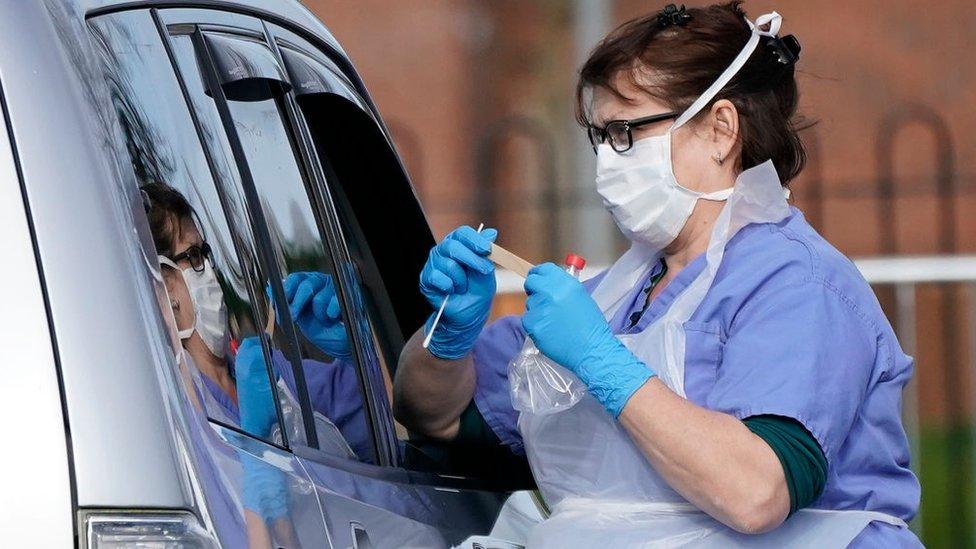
218	440
389	468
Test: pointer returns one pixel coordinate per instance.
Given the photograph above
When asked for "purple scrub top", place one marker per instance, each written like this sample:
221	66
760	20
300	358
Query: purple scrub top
790	328
333	390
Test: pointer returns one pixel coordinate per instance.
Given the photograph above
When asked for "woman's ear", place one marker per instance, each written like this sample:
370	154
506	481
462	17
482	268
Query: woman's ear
724	118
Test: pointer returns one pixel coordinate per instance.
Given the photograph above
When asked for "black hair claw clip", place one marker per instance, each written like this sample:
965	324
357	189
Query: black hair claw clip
673	15
786	49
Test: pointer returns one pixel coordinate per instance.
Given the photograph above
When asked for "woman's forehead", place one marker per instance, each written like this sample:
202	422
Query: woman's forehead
626	101
187	234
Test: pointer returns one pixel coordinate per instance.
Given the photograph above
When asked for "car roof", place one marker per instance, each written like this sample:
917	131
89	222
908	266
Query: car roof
290	12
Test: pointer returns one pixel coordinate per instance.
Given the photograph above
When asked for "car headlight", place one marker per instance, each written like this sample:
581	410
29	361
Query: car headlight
145	530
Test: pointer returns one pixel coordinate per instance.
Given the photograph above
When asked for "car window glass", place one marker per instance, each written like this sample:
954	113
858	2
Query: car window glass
214	308
306	267
379	329
479	459
372	309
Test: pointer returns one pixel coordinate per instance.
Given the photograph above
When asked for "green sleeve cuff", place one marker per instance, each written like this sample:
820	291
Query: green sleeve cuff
474	452
474	429
803	461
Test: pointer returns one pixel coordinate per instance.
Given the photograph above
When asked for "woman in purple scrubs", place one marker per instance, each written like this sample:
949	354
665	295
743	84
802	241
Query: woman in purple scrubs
241	395
785	418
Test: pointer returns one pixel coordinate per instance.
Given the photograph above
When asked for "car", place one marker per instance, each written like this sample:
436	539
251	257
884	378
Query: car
251	111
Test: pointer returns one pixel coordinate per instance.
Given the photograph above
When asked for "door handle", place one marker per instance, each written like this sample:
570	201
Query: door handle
360	538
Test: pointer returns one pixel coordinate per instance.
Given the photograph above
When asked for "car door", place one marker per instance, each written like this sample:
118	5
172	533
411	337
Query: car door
253	488
382	242
242	77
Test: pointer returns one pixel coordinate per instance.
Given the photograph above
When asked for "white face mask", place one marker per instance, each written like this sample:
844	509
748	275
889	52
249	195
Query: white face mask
640	191
209	309
638	186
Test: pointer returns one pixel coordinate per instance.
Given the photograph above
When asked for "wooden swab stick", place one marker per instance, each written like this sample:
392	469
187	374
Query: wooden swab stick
504	258
269	329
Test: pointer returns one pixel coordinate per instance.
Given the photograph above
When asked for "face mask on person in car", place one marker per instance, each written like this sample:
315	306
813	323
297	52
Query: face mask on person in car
209	309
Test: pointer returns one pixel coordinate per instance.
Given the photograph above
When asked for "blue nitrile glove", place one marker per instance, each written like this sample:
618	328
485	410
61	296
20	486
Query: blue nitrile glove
457	267
314	307
265	489
254	396
568	327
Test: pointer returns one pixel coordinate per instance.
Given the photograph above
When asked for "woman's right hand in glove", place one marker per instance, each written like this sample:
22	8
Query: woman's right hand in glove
458	267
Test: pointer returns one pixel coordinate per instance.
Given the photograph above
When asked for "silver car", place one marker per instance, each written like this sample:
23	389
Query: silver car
249	112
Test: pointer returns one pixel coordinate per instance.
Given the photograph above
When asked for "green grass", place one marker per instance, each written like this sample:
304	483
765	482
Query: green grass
946	469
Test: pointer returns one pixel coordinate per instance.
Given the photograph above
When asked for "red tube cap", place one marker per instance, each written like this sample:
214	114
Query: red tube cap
573	260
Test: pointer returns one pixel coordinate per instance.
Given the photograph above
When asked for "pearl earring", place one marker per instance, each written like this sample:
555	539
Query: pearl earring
717	157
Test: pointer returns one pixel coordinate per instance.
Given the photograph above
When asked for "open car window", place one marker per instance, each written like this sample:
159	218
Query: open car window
387	241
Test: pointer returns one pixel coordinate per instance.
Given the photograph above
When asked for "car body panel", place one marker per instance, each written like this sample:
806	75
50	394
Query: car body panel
83	216
36	470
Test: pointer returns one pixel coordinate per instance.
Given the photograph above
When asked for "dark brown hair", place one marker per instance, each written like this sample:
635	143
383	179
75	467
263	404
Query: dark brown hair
166	209
684	60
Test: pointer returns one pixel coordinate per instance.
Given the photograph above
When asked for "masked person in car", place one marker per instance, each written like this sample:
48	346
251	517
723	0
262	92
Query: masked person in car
235	382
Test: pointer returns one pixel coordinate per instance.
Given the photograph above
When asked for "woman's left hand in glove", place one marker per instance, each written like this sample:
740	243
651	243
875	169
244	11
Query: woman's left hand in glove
568	327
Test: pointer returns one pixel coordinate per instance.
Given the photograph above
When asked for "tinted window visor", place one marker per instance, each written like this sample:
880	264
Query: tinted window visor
311	76
320	78
246	68
191	52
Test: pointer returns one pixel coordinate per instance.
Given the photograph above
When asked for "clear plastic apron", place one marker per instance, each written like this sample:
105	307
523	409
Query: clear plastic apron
599	485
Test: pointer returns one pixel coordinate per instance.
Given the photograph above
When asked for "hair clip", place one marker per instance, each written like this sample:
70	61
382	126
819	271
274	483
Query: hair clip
786	49
673	15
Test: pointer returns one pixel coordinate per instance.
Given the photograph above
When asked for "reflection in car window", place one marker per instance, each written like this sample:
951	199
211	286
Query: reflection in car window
327	364
209	292
339	127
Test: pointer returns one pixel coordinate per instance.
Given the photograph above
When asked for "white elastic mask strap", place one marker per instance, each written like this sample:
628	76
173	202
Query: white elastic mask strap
774	20
183	334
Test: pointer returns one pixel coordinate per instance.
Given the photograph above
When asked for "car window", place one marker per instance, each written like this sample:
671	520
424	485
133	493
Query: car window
378	192
219	308
303	259
373	309
344	132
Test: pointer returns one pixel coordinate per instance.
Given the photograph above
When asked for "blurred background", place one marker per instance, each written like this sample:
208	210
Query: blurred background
479	98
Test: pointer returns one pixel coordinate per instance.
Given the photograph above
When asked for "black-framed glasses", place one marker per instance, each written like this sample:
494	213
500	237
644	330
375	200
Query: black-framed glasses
619	132
195	255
